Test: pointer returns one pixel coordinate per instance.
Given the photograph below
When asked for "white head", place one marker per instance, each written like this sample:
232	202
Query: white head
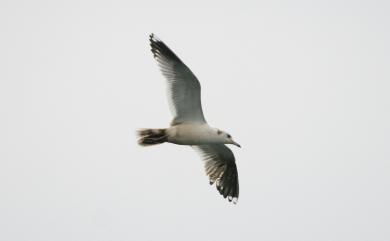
226	138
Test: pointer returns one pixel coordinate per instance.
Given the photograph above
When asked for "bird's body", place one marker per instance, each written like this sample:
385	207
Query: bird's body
189	126
193	134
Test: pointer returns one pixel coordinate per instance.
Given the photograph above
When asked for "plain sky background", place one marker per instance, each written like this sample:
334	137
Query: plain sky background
303	86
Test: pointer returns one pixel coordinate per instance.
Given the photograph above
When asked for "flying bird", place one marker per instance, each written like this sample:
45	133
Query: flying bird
189	126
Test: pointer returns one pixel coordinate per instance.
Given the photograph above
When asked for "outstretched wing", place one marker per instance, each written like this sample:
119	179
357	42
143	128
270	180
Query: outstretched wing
183	86
221	168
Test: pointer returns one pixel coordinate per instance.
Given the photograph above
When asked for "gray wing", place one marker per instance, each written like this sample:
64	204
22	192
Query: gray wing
183	86
221	168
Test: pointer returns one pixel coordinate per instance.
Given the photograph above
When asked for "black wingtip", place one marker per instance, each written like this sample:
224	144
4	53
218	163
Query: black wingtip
153	38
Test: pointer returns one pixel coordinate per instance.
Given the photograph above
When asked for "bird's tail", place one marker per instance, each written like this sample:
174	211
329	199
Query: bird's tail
149	137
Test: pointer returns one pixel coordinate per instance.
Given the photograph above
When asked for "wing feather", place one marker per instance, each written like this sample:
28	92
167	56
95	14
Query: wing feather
221	168
183	86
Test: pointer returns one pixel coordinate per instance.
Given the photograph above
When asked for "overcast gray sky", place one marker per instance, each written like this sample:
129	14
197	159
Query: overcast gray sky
303	86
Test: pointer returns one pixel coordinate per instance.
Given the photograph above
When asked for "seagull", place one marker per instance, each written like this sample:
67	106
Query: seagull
189	126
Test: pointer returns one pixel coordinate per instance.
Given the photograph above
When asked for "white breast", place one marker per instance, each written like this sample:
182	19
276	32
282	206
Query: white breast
193	134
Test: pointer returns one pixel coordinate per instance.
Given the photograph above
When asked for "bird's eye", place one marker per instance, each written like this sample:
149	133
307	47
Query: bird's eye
229	136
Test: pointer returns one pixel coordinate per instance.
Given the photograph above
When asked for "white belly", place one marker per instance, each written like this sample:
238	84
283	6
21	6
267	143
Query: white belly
190	134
